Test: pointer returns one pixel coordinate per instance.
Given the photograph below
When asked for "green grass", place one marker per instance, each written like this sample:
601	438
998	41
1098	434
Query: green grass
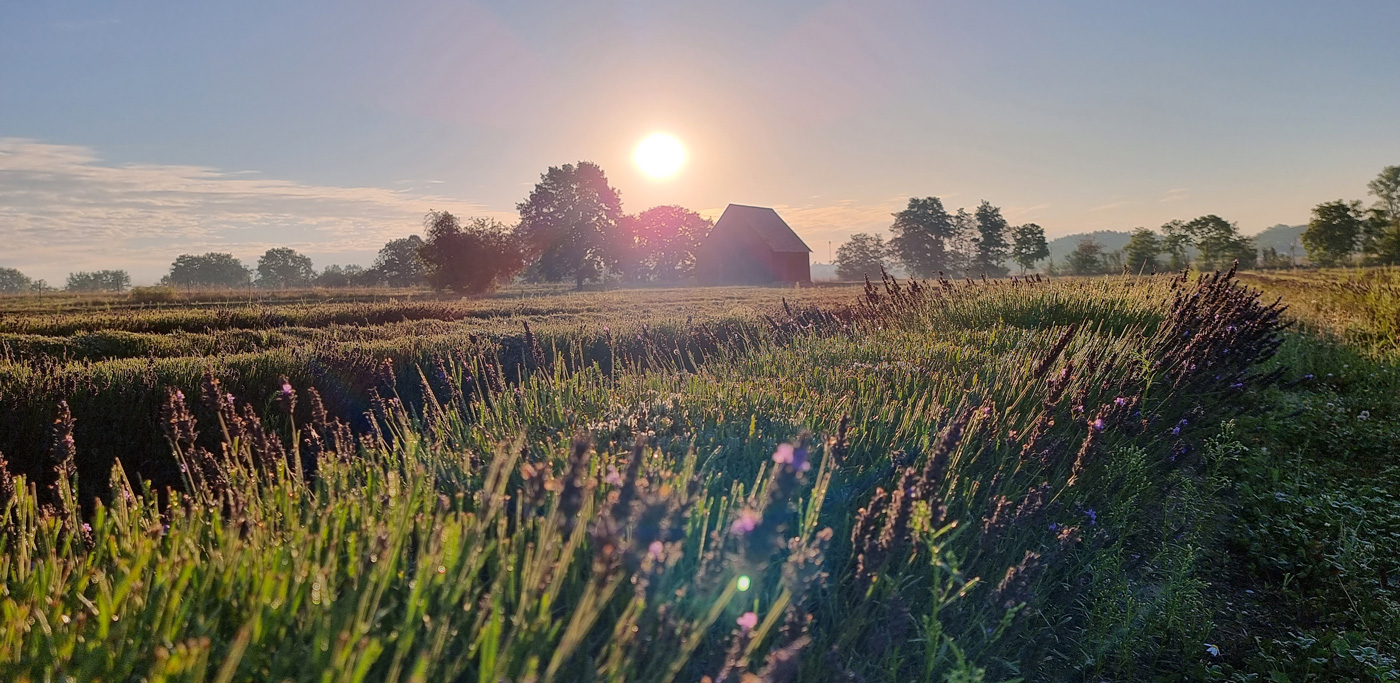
1075	505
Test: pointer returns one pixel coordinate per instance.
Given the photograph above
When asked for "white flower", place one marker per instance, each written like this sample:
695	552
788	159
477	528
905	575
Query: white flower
1212	650
1365	415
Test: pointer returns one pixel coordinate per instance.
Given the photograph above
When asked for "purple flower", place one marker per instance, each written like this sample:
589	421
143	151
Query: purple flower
1097	424
286	389
748	621
613	477
1093	516
1120	401
744	523
787	454
656	549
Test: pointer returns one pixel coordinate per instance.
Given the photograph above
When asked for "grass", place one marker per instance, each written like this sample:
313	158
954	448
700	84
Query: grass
1041	481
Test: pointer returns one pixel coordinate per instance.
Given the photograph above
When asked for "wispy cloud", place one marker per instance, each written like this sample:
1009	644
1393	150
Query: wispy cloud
1107	207
62	209
1175	195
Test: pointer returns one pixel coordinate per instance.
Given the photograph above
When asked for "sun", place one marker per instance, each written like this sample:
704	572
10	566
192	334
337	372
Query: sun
660	155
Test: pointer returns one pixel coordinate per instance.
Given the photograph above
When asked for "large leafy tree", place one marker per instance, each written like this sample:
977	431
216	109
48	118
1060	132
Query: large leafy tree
1087	258
1177	243
1219	242
922	237
659	244
352	275
98	281
1382	236
12	281
283	267
208	270
1142	250
569	221
990	247
863	255
1386	188
399	263
1333	232
470	258
1028	245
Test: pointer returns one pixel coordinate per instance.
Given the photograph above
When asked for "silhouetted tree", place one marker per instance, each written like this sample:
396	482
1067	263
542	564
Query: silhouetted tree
922	238
399	263
283	267
863	255
470	258
1219	243
1333	232
207	270
659	244
1381	240
345	276
1028	245
1086	259
568	223
12	281
1177	243
989	246
98	281
1142	250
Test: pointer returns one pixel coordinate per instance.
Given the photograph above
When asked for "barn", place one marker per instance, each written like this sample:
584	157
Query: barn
752	245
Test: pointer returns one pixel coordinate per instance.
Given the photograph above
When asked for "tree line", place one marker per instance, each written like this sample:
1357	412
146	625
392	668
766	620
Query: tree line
571	228
928	240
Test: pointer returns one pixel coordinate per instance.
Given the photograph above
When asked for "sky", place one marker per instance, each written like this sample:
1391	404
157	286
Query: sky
135	131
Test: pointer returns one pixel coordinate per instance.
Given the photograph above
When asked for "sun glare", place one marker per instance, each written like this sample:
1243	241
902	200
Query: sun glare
660	155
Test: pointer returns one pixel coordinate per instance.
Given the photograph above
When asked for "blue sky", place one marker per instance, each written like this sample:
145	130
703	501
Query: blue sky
131	132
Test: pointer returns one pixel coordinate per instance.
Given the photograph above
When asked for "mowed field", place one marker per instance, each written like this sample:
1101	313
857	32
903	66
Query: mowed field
1122	478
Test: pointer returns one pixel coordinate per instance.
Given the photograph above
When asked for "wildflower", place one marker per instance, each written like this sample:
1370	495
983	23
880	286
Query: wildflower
745	523
1120	401
1097	424
1365	415
748	621
656	550
613	477
787	454
1093	516
1212	650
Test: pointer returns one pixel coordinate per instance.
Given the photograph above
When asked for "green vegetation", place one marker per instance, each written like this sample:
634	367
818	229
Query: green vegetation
1126	478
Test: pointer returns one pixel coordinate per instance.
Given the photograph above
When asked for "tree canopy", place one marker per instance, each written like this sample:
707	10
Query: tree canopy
399	263
283	267
1086	259
990	245
922	237
98	281
569	221
862	256
1028	245
208	270
13	282
470	258
1333	232
658	245
1142	250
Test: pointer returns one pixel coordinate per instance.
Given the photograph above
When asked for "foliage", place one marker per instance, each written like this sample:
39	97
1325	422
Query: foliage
352	275
568	224
1142	251
1386	188
283	267
398	264
1086	259
659	244
862	256
12	281
923	235
1219	243
990	245
1333	232
471	258
208	270
98	281
1028	245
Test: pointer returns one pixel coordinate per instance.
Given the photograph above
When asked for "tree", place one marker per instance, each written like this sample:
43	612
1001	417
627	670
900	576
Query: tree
471	258
1028	245
1141	251
98	281
399	263
207	270
863	255
990	246
1177	242
12	281
345	276
1086	259
1382	235
569	221
659	244
1219	243
922	237
1333	232
283	267
1386	188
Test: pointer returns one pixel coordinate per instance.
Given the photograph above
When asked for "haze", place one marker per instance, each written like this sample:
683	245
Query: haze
134	132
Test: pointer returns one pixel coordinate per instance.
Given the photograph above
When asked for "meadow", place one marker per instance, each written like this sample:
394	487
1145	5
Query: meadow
1121	478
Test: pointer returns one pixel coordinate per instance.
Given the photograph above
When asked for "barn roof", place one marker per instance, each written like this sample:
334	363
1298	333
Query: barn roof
766	223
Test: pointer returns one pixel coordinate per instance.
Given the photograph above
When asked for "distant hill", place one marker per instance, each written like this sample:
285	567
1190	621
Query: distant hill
1282	237
1110	240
